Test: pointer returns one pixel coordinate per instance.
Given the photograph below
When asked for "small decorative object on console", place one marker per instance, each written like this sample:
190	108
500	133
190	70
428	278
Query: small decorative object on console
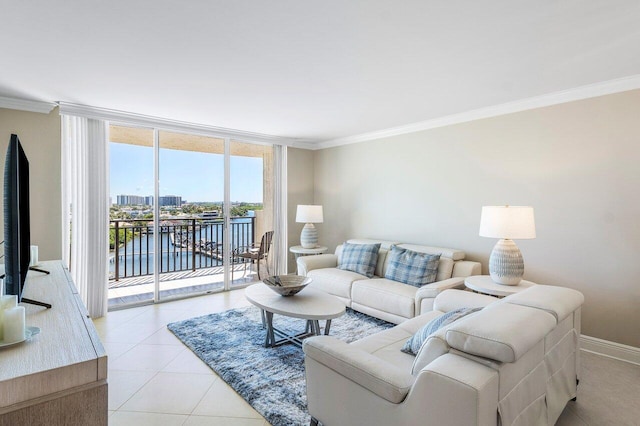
287	285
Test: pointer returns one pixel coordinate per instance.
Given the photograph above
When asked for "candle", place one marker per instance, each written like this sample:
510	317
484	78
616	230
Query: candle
34	256
14	324
8	301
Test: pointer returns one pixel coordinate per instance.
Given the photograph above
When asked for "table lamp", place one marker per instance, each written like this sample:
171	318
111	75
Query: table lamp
309	215
506	265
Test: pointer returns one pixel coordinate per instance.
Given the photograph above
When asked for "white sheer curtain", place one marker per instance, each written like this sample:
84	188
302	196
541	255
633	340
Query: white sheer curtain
85	216
280	209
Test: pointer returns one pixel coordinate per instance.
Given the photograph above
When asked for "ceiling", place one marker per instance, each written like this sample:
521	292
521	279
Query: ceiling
311	70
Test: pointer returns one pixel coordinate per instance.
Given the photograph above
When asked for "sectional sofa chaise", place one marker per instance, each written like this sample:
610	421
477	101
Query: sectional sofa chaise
514	362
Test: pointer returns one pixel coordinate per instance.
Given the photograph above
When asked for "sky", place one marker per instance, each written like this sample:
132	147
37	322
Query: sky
195	176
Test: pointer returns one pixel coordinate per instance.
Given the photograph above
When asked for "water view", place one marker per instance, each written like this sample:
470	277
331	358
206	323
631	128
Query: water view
187	172
185	244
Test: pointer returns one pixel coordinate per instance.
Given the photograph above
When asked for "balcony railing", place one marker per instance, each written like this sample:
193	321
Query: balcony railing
184	244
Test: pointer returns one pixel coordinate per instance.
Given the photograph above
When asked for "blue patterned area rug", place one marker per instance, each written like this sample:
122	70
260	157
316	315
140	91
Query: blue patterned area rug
272	380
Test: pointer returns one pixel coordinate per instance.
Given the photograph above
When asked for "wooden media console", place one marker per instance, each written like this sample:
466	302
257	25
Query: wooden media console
58	377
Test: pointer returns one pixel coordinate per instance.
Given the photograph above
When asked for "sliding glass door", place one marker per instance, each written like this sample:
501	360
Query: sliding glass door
191	222
251	211
131	236
189	214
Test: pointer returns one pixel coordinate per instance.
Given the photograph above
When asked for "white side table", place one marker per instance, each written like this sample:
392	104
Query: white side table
485	285
301	251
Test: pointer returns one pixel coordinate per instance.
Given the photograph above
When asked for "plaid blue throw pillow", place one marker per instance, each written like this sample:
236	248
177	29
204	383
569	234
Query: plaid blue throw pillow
412	267
416	341
359	258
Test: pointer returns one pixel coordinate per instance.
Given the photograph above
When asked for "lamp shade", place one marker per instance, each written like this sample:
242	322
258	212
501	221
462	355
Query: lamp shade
309	214
507	222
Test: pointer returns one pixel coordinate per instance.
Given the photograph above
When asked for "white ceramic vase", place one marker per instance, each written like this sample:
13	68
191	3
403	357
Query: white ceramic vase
309	236
506	265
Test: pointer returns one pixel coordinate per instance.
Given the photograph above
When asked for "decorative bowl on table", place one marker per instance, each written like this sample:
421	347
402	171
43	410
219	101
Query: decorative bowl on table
286	285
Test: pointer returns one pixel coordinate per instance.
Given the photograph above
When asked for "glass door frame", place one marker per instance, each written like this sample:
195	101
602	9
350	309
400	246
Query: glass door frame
226	211
157	235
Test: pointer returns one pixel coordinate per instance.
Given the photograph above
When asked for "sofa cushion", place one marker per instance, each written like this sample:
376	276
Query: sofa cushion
386	344
382	378
416	323
334	281
412	267
382	256
558	301
385	246
451	299
386	296
447	258
359	258
445	268
501	331
445	252
413	345
436	343
433	347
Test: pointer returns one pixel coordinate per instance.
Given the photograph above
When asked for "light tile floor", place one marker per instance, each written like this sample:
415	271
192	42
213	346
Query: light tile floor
155	380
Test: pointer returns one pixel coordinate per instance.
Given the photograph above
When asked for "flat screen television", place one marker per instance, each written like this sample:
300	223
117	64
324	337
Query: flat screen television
17	236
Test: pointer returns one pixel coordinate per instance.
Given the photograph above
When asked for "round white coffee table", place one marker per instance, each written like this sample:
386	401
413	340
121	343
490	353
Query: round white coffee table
310	304
485	285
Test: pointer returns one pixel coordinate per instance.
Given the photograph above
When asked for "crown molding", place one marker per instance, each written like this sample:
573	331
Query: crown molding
130	118
583	92
26	105
564	96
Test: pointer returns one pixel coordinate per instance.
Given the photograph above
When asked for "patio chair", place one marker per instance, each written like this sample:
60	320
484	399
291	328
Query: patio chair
254	254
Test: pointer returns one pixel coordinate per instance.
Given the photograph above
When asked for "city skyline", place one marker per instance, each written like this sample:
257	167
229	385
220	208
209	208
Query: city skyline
195	176
166	200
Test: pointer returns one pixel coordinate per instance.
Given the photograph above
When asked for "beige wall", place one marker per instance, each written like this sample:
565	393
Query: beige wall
300	191
578	164
40	137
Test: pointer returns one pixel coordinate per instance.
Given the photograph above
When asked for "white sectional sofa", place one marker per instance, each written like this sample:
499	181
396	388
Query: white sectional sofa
380	297
515	362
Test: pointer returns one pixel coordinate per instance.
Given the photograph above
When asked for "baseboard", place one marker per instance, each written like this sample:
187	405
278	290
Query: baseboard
610	349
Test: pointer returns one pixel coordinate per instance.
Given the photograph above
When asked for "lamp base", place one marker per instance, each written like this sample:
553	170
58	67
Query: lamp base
309	236
506	265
